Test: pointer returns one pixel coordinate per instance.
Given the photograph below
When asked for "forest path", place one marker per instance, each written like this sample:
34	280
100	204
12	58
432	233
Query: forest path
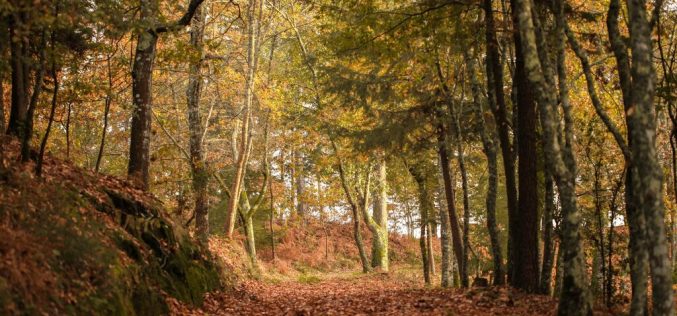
378	294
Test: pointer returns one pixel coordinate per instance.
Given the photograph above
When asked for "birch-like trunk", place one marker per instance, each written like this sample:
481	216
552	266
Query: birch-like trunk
378	223
245	140
445	240
488	136
449	194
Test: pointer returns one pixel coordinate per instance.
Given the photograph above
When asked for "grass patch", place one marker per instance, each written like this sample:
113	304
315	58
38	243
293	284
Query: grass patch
309	279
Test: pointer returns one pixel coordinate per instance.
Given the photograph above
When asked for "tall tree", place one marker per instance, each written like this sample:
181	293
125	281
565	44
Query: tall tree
574	299
524	254
253	12
197	161
142	78
647	172
447	176
488	136
498	107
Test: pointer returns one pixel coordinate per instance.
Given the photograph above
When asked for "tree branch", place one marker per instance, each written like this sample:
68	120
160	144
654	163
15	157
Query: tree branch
180	23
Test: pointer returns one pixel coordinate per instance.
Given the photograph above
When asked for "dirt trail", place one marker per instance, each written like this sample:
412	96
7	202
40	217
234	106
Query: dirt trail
374	294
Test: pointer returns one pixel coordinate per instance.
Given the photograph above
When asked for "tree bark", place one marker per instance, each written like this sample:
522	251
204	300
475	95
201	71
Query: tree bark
525	233
464	187
499	109
300	184
252	27
636	223
449	194
419	176
19	103
106	110
357	235
142	77
574	299
142	99
35	96
378	223
429	243
197	161
488	136
55	94
445	241
548	244
646	168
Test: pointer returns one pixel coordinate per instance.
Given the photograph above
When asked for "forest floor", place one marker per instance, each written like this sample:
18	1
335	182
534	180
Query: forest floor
375	293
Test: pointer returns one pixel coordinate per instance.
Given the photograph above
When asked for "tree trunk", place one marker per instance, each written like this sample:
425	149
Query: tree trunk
142	78
464	187
3	127
4	41
548	245
379	226
19	101
55	94
449	193
35	96
424	205
499	109
613	208
429	244
300	184
272	215
525	232
357	235
637	250
251	240
106	110
68	131
142	99
598	278
574	299
445	241
646	169
197	161
487	134
241	167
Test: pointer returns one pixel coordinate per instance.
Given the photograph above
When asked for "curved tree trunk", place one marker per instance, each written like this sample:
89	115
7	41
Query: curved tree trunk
357	234
243	153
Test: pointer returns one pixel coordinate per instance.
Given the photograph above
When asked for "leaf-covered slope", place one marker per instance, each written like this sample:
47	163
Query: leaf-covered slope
75	242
